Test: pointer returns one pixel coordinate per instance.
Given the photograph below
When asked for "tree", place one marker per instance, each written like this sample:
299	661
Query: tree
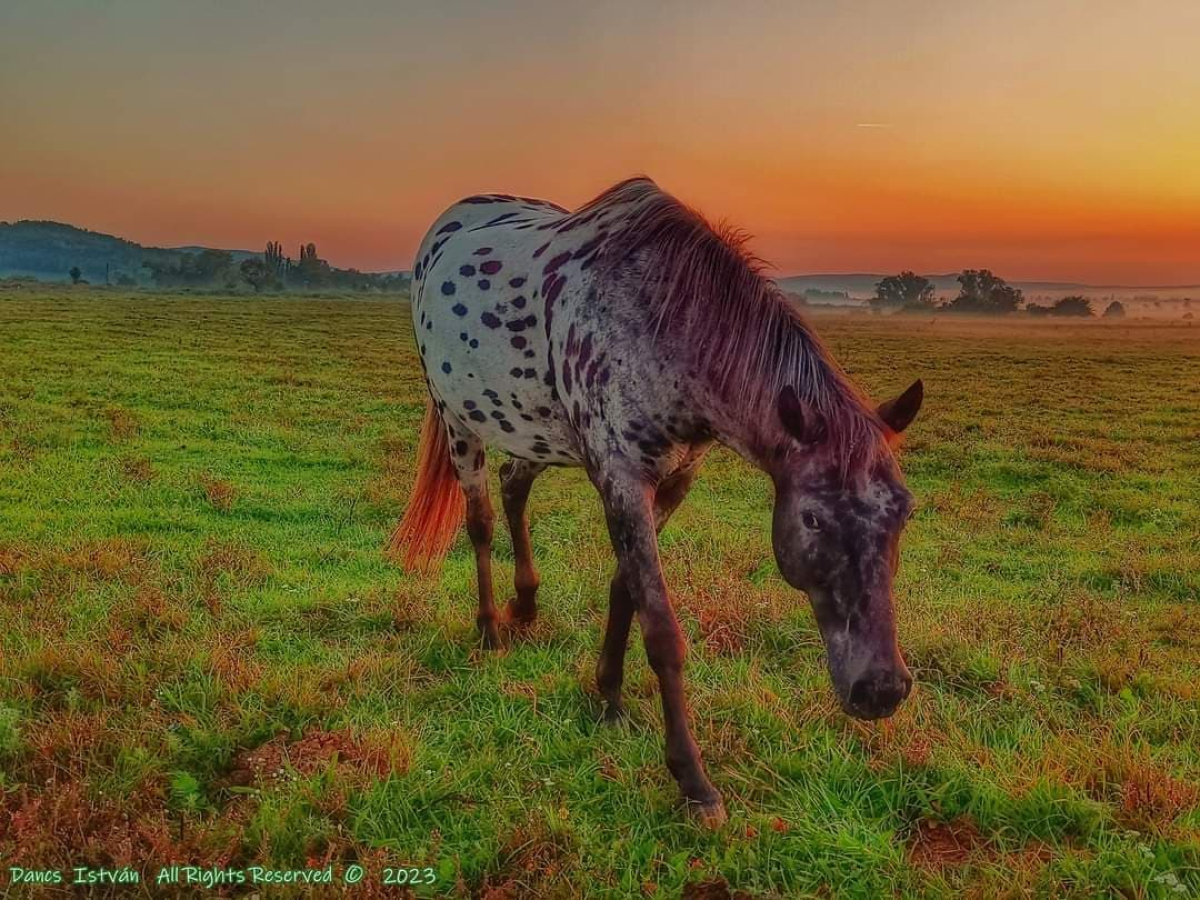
982	292
311	271
904	290
274	259
213	266
203	268
1115	310
75	274
256	273
1074	305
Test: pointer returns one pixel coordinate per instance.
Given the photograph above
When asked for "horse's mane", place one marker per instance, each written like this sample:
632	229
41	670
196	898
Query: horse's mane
705	288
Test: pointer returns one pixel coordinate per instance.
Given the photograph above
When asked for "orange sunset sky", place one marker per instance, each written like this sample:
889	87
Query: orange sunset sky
1045	140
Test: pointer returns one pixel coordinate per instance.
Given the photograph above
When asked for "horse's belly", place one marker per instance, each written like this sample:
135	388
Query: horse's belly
485	354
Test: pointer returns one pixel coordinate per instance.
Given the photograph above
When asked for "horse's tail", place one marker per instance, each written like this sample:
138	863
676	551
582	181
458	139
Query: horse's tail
436	508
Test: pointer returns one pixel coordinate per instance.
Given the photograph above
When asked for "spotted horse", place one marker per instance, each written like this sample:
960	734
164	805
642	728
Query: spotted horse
627	337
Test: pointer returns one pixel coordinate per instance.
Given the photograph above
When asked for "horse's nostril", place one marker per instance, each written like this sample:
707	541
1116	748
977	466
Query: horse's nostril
860	693
879	693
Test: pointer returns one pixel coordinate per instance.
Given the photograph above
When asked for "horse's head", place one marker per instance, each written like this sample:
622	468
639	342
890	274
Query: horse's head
838	540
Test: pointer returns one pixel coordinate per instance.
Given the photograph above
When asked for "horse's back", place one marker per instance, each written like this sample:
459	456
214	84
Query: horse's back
479	327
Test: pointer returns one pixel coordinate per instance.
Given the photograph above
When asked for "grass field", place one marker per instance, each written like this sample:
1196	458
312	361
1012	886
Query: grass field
206	659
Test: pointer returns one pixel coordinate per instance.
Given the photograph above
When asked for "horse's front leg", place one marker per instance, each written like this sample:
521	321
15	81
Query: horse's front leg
610	669
629	508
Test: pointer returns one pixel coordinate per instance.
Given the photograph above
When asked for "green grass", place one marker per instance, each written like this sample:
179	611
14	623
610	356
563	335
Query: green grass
206	658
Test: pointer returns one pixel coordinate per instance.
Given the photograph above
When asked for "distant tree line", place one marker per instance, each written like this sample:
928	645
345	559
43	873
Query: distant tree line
979	291
272	272
1074	305
206	268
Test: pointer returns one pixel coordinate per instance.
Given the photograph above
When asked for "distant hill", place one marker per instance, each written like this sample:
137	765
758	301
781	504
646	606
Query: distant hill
48	250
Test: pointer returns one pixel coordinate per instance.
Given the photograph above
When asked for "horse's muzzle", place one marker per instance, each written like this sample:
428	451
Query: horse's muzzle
876	695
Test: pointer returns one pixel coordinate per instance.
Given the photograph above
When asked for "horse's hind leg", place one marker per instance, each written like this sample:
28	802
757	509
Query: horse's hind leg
610	670
471	465
516	478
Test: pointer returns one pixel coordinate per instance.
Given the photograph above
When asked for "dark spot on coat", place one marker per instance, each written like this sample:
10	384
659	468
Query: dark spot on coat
490	320
491	267
553	289
556	262
466	271
448	288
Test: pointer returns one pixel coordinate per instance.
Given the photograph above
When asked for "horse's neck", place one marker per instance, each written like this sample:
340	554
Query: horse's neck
737	420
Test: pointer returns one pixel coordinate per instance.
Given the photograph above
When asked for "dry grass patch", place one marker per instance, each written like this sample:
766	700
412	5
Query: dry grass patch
232	564
137	469
220	493
534	861
365	758
12	560
122	424
711	889
67	823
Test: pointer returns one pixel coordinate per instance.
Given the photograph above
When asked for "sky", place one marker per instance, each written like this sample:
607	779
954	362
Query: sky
1048	140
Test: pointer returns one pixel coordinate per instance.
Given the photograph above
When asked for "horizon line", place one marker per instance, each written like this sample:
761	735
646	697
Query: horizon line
854	274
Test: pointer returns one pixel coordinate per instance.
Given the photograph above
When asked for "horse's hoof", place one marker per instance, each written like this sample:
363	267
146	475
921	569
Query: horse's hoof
517	616
708	814
615	713
491	639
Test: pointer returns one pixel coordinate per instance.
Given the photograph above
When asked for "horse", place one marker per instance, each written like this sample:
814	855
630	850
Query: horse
627	337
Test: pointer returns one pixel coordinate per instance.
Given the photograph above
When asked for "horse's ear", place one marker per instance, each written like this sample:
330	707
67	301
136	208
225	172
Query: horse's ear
805	425
898	414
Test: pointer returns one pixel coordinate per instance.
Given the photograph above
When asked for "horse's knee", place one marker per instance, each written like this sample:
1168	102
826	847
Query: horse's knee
480	523
665	647
480	532
526	580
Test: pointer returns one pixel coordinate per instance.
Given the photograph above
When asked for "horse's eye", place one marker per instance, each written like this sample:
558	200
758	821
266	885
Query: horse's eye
810	521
